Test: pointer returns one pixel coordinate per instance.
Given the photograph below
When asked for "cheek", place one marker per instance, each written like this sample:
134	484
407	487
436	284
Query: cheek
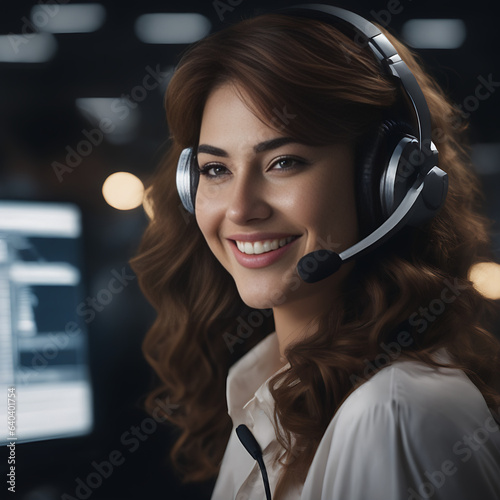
332	211
208	219
207	195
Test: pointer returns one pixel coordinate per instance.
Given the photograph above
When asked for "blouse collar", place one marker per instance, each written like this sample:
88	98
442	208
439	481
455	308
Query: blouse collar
249	400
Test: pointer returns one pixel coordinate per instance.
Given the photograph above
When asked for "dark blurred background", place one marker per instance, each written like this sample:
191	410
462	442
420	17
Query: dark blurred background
56	95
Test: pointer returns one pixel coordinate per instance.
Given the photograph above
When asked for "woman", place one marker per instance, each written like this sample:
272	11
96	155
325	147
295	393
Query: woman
376	381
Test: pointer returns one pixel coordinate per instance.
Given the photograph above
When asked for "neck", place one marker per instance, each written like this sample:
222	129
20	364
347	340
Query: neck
297	320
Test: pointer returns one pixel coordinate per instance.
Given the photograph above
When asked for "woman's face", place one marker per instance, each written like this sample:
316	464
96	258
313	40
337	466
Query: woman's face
264	201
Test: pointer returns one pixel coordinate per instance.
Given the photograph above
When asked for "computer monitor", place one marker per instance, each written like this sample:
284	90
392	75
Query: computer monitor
44	372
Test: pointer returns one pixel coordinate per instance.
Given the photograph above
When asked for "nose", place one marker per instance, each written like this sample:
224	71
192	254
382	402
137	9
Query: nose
248	199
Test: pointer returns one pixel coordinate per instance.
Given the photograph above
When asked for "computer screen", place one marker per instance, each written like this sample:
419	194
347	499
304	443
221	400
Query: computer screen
44	372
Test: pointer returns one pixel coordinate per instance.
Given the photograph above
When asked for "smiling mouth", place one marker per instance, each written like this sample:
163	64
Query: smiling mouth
260	247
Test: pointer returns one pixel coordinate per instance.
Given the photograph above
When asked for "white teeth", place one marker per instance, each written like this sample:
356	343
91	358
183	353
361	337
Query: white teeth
259	247
248	248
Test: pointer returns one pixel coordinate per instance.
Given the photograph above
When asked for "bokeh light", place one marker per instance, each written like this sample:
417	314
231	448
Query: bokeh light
123	191
486	279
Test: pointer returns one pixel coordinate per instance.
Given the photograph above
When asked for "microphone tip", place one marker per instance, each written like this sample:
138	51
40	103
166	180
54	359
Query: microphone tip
248	441
318	265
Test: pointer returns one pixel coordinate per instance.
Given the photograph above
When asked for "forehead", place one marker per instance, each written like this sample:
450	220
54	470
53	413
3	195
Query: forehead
228	115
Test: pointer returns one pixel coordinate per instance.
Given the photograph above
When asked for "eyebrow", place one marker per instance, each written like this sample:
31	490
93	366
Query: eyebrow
258	148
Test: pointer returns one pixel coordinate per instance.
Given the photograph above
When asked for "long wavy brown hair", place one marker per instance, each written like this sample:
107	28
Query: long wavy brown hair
335	88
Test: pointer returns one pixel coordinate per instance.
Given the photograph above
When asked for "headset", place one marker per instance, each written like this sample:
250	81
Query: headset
399	181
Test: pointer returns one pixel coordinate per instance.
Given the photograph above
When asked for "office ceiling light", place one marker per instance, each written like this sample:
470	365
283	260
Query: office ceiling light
27	48
172	28
117	117
434	33
72	18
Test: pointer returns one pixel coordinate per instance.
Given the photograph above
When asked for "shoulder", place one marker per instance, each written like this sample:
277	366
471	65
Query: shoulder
412	388
416	401
408	420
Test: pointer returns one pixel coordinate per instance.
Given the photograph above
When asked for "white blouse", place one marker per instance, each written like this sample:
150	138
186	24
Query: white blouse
410	432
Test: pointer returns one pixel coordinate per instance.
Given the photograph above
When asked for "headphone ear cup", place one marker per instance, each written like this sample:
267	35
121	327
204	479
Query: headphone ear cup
399	174
187	178
368	171
380	173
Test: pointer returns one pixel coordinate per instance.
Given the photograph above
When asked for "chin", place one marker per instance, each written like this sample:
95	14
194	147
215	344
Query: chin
261	299
257	302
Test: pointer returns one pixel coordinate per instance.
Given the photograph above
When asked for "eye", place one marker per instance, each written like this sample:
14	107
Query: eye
288	163
213	171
